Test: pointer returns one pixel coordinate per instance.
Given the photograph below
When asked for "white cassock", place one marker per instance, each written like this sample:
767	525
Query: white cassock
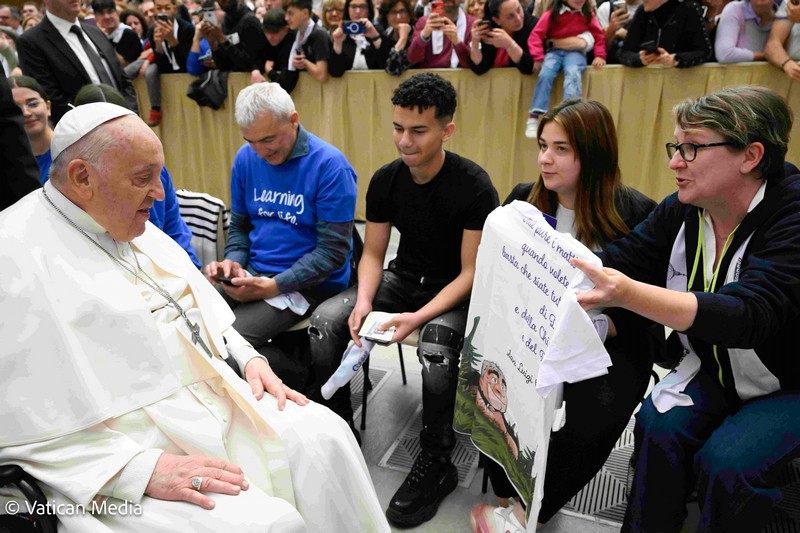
100	377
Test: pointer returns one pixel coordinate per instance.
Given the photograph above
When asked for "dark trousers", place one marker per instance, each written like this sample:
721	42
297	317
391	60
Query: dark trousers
731	454
261	325
438	351
598	410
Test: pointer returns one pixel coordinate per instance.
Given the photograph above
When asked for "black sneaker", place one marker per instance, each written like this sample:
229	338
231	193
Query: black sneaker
418	498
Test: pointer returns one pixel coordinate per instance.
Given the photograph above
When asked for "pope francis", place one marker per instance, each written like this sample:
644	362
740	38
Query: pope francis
115	388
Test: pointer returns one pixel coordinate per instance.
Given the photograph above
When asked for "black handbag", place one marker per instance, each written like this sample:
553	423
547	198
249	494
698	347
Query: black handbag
210	89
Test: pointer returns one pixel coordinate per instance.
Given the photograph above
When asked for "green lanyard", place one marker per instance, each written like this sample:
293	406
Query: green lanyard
709	286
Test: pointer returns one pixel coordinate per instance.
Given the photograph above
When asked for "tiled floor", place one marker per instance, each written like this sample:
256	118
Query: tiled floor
387	414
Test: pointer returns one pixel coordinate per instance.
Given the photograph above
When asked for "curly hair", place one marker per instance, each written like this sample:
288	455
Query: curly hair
427	90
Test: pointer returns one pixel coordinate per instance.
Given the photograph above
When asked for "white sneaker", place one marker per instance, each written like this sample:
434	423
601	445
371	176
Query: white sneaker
531	126
489	519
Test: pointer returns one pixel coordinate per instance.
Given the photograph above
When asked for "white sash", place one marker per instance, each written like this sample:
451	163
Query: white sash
299	40
751	377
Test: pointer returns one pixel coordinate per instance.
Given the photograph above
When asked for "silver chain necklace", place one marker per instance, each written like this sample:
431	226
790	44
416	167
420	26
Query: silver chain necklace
194	328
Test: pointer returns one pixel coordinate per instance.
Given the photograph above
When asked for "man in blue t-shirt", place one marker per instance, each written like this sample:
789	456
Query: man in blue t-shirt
293	198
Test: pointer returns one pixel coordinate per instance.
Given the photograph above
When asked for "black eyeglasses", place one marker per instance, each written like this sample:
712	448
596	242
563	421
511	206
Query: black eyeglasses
689	150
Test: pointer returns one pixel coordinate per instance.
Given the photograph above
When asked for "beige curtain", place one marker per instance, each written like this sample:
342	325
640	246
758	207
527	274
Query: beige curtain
354	113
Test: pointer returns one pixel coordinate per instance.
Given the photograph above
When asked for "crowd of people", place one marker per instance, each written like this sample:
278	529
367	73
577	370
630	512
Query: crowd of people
132	309
275	41
145	343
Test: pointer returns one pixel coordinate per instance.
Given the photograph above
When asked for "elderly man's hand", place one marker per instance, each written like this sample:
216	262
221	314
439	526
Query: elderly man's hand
260	376
172	479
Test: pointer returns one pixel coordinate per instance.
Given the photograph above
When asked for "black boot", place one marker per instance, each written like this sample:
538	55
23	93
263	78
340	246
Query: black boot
418	498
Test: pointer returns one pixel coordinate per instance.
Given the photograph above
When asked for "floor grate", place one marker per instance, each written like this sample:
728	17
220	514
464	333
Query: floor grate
378	376
404	450
605	496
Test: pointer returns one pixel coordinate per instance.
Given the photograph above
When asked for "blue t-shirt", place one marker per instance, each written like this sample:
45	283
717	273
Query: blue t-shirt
166	216
44	166
284	203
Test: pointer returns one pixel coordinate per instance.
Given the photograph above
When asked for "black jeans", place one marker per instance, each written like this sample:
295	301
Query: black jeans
438	350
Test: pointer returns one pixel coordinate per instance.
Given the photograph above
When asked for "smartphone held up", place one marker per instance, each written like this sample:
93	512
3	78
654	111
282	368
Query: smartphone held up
209	13
437	6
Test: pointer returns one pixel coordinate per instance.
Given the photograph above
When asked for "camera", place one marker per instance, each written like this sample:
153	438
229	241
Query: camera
437	6
162	17
353	27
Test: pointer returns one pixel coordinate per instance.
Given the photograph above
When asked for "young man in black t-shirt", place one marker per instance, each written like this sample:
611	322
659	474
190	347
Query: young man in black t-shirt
439	202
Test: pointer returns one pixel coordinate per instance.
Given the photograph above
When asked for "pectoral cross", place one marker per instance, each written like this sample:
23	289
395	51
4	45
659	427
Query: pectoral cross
197	339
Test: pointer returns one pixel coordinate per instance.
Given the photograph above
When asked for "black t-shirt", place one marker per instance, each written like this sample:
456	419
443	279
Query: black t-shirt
318	45
129	46
431	218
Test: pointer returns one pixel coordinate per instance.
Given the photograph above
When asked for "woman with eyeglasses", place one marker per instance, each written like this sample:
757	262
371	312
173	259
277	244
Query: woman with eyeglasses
332	14
361	46
397	16
35	106
718	262
580	186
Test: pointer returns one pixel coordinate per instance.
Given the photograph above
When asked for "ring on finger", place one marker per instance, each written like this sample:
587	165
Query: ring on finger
197	482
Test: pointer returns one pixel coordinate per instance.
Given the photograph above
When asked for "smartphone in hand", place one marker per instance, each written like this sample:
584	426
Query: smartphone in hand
210	15
649	47
437	6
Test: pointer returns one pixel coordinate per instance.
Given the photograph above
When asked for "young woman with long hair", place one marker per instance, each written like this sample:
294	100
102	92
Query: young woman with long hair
580	186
